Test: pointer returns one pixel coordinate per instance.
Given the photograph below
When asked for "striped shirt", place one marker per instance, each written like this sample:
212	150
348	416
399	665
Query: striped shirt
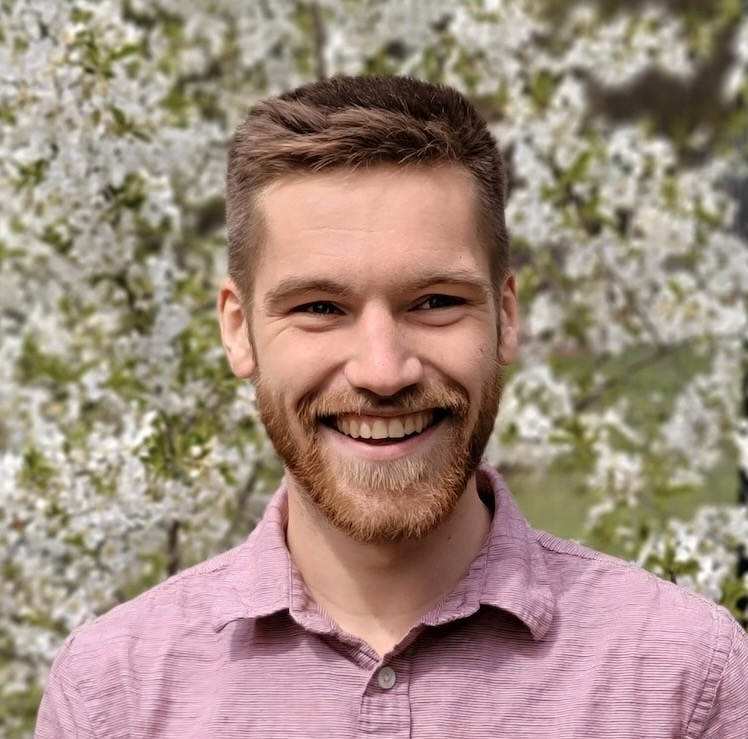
541	638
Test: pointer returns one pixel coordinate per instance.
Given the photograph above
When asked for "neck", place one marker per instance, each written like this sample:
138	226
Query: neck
379	592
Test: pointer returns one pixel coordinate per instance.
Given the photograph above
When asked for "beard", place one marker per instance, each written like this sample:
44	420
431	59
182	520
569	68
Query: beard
378	502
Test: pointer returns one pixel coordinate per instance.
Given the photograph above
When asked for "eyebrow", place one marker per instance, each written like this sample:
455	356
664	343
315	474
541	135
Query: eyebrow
463	277
297	286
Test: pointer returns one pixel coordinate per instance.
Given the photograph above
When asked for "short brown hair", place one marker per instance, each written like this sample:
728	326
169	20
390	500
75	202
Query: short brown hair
352	122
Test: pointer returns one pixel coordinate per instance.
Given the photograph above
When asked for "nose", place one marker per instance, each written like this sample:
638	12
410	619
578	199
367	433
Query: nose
383	357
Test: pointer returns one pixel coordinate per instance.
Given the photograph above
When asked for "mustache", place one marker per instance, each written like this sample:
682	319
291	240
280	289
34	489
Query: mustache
449	397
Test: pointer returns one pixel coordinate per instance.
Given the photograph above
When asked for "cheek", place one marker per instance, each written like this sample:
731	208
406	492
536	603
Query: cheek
474	365
484	375
295	364
296	393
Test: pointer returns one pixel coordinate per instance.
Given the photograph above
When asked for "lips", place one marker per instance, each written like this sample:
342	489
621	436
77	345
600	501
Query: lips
372	427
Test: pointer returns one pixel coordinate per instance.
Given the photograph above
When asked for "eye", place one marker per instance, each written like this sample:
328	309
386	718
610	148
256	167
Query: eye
319	308
439	301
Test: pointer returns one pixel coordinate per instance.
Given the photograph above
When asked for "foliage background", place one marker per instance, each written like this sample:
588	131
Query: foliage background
127	451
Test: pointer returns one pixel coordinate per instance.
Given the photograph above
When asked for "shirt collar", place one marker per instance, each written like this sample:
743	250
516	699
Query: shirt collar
261	574
512	563
508	573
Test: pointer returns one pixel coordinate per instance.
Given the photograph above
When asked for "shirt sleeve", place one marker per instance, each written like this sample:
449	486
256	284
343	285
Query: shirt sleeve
728	718
62	713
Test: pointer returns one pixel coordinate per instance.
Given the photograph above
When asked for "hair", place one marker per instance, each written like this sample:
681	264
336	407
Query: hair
350	122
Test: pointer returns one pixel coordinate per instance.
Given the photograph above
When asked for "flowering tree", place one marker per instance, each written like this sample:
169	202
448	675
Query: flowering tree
128	452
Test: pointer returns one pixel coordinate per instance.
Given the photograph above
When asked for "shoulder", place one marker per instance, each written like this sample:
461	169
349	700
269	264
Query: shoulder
197	593
178	616
577	572
170	645
725	714
205	597
125	657
173	635
651	630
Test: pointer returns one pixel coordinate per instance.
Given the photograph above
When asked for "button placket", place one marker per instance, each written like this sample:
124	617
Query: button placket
385	704
386	678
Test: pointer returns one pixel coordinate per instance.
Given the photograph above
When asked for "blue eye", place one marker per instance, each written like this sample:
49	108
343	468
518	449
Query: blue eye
320	308
440	301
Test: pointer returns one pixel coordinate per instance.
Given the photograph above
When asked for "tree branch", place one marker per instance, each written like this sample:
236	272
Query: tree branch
320	40
660	352
175	557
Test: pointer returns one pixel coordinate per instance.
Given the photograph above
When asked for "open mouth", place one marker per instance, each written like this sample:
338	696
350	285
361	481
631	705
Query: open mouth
381	430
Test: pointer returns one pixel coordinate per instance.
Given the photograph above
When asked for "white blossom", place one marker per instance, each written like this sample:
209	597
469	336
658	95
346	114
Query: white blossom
119	423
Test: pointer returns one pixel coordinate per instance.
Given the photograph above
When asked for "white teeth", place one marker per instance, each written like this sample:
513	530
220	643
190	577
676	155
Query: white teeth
385	428
379	429
395	429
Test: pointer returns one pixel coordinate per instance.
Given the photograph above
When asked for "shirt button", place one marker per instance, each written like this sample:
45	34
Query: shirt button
386	678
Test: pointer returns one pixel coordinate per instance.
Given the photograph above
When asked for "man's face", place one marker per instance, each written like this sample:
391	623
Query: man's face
376	349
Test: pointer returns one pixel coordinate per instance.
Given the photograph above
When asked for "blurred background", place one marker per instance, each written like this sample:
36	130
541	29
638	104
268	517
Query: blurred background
128	452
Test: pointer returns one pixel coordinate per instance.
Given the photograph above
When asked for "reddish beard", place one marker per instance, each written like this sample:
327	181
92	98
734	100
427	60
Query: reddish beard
380	502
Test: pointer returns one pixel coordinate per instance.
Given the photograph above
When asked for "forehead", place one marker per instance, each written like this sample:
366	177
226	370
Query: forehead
375	225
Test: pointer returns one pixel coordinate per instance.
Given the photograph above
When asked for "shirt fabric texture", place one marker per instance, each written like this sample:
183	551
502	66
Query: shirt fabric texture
541	638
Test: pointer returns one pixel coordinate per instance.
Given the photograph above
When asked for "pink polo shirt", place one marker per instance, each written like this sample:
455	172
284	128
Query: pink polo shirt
542	638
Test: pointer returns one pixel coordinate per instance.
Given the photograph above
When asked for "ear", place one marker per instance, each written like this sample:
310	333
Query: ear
233	320
509	320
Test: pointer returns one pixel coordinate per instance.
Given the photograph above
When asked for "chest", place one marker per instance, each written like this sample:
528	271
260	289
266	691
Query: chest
446	685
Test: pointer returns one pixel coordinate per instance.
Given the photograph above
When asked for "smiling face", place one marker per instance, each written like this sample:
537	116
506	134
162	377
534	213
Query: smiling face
376	349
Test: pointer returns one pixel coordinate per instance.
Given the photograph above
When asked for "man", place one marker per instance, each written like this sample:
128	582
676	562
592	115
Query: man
392	588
